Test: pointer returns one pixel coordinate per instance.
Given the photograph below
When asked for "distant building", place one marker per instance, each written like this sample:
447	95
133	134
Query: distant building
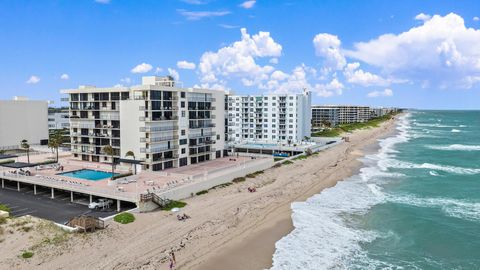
268	118
21	119
58	119
163	125
334	115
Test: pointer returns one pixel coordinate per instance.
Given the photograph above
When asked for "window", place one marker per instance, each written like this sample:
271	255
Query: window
183	141
183	113
182	104
184	150
218	136
182	94
183	132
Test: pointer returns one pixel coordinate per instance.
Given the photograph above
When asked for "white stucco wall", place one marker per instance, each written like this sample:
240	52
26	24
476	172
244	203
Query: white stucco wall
23	119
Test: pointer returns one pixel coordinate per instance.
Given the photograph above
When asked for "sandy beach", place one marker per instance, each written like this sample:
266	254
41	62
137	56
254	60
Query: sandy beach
230	227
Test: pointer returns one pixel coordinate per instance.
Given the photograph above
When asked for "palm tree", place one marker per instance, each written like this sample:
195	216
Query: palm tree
55	141
24	144
131	154
108	150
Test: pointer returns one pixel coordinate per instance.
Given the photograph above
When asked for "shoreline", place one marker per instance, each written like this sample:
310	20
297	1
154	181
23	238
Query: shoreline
260	246
230	227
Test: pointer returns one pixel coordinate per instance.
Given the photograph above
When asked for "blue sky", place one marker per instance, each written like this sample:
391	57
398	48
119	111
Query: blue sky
422	54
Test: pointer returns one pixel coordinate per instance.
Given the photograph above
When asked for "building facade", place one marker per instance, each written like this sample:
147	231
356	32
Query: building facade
21	119
163	125
333	115
268	118
58	120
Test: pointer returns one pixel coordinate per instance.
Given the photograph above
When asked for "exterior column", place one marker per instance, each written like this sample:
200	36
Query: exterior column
34	189
118	205
71	196
18	185
3	183
91	199
53	193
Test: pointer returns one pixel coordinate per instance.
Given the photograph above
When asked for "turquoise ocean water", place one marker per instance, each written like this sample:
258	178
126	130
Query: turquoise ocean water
414	205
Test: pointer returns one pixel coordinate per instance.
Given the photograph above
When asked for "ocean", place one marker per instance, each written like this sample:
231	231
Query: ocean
415	204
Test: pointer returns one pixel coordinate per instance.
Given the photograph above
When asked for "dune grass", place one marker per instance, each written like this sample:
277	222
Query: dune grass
124	218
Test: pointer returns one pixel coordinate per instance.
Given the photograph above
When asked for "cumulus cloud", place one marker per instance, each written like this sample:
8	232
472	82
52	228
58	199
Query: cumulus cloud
423	17
437	53
158	70
385	93
327	46
172	72
239	60
33	80
198	15
354	75
142	68
273	60
248	4
476	19
64	76
185	65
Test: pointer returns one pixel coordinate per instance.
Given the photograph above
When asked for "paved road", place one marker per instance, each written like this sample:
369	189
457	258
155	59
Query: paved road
59	210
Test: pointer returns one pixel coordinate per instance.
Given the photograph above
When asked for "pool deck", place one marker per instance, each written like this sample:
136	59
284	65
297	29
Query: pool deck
128	188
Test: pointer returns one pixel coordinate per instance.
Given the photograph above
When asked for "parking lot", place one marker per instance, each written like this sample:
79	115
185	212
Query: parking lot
59	209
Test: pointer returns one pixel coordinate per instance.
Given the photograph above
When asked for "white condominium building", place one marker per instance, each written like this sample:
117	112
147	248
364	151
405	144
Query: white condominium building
268	118
23	119
163	125
344	114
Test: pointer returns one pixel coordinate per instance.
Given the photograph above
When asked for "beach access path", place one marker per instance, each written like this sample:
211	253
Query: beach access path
229	228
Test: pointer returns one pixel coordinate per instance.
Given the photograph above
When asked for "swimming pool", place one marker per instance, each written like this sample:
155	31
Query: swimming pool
86	174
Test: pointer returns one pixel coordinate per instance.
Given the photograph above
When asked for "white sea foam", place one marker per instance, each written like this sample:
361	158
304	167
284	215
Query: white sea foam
455	130
391	163
452	207
462	126
323	237
433	173
455	147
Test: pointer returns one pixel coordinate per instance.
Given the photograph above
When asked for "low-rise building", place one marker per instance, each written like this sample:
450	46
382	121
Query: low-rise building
332	115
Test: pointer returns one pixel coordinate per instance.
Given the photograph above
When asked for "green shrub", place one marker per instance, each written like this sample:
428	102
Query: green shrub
27	254
5	208
301	157
238	180
173	204
221	185
124	218
122	175
277	159
202	192
3	220
287	162
253	175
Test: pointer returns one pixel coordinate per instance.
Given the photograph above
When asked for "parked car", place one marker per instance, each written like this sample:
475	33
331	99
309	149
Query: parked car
100	204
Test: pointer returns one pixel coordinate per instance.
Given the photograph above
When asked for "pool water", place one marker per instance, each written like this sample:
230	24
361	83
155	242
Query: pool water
86	174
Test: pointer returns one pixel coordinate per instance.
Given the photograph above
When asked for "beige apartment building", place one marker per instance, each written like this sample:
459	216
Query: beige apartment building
165	126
